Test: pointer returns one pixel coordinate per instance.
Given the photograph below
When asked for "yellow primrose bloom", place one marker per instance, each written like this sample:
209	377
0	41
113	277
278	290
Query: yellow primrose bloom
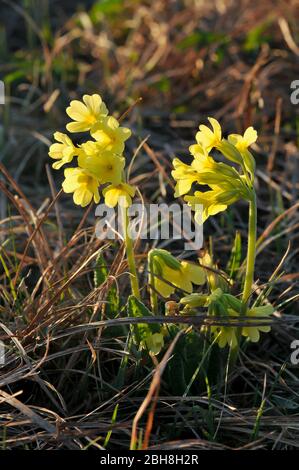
209	202
202	159
85	114
64	151
119	194
198	151
211	172
154	343
243	142
106	166
83	184
109	135
184	175
179	274
209	138
212	276
203	170
228	334
253	332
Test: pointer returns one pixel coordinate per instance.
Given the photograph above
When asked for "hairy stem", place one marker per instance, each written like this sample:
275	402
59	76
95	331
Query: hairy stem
251	250
153	294
249	276
130	254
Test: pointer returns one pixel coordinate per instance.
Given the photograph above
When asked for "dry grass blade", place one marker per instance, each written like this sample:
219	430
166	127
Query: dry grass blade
152	394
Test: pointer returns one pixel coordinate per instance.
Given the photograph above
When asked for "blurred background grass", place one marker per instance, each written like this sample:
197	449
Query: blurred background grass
186	59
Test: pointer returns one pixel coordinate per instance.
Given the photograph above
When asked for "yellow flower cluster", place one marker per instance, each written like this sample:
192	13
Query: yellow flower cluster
225	306
100	160
226	184
228	306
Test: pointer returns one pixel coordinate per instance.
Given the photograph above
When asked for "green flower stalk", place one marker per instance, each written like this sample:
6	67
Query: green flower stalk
249	273
226	184
130	253
251	249
152	274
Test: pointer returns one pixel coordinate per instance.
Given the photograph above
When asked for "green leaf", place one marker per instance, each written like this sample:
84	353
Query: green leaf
234	262
100	271
137	309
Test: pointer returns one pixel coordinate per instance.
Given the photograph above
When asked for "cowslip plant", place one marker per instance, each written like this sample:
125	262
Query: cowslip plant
100	164
227	184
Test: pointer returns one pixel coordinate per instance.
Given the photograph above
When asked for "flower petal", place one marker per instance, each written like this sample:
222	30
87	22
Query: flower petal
250	136
82	196
77	110
195	273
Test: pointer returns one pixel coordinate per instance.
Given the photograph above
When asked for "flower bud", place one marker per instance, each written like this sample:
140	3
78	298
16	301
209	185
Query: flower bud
195	300
230	151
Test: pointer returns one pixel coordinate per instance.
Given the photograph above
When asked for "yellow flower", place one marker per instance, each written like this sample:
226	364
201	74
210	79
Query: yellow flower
83	184
179	274
119	194
184	175
204	170
213	278
243	142
109	135
86	114
227	334
64	151
200	152
154	342
209	138
211	172
253	332
106	166
209	201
